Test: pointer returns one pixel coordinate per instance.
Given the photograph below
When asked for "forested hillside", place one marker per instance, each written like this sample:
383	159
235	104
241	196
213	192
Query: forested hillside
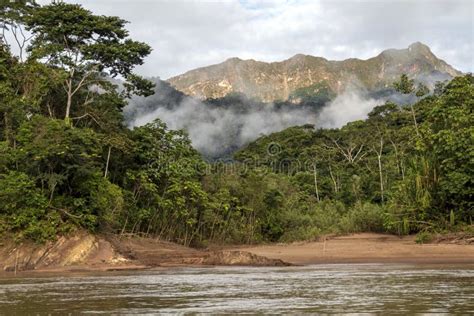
68	161
413	163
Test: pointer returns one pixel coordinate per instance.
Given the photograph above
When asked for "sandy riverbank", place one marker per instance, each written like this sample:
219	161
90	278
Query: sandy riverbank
367	248
84	252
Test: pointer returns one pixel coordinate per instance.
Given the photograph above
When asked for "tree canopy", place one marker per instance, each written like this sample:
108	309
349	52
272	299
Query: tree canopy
67	161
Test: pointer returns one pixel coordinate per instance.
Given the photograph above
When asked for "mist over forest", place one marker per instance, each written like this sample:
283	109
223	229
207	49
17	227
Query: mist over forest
218	127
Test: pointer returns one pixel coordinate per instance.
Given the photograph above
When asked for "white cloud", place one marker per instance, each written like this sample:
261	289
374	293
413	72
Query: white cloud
186	34
217	131
349	106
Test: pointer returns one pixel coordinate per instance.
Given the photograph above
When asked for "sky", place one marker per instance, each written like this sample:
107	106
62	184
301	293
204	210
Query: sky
187	34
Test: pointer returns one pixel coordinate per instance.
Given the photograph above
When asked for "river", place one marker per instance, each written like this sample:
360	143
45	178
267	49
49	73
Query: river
336	288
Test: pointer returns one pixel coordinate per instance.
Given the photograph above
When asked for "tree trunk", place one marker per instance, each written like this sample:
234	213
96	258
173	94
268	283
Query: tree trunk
68	106
123	228
333	179
107	163
399	160
414	120
379	158
315	171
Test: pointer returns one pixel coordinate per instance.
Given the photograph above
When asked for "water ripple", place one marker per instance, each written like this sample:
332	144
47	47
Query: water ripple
323	288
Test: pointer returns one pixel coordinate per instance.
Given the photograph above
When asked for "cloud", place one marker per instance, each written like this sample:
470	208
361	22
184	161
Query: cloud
186	34
217	131
351	105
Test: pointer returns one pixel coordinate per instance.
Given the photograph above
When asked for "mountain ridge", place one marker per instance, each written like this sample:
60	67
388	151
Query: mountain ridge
278	80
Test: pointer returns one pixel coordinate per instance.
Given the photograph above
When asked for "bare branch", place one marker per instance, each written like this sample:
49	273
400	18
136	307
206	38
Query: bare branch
81	83
89	115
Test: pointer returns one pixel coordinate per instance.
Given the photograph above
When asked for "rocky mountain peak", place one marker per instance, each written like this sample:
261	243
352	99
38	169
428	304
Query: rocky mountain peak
419	47
278	80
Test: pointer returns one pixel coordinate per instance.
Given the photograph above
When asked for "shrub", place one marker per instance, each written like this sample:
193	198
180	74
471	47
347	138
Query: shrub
423	237
365	217
24	209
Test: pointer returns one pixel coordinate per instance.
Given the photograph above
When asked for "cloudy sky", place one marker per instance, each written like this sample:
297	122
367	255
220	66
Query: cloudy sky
187	34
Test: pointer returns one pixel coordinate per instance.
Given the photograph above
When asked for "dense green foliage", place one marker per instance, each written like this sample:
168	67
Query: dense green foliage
67	161
413	162
314	96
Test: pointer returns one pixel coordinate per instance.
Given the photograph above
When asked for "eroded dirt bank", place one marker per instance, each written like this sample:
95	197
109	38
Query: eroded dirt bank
75	251
86	252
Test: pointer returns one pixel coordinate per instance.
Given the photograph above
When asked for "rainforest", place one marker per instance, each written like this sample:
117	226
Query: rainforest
69	161
258	178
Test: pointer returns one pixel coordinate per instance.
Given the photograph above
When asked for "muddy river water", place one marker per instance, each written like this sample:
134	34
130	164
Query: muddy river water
336	288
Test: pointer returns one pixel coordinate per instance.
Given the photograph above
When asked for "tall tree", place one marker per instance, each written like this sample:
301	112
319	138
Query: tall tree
87	47
407	86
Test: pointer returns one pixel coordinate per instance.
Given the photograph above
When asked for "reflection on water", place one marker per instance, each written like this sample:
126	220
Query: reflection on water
322	288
